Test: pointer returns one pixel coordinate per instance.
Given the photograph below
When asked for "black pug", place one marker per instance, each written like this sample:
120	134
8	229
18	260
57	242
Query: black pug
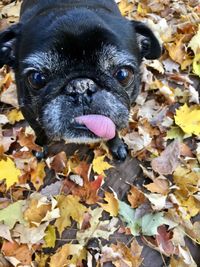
77	68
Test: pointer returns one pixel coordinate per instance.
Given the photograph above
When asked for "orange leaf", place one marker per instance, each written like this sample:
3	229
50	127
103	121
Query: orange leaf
136	197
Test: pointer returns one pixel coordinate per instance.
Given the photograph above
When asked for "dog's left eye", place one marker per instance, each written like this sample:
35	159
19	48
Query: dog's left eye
36	80
124	76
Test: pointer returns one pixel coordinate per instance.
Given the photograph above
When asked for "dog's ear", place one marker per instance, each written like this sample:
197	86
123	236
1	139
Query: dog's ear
8	40
148	43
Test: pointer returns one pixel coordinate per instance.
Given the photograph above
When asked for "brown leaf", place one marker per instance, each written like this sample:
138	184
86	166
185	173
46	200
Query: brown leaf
163	239
168	161
27	140
136	197
20	252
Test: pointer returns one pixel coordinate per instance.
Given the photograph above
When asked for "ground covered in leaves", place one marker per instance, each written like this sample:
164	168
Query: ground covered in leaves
79	207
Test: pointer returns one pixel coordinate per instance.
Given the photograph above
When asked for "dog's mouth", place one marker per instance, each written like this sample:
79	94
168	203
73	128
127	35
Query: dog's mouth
99	125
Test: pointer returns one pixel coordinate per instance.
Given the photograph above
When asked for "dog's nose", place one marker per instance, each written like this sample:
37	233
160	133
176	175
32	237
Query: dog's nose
81	86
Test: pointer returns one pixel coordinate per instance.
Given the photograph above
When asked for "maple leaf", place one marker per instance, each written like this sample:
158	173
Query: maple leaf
8	171
196	65
62	258
12	214
69	208
99	165
177	49
158	201
194	43
159	185
112	205
21	253
30	235
38	175
135	197
97	229
168	161
27	139
35	210
147	224
164	240
50	237
15	116
125	7
5	232
188	119
128	256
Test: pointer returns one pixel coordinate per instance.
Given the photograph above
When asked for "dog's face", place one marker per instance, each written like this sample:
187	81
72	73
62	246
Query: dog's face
78	73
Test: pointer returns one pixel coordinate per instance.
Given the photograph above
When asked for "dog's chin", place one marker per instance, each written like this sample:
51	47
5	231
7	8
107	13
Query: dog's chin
79	135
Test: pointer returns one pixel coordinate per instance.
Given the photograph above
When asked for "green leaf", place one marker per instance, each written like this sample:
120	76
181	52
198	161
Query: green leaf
150	223
146	225
12	214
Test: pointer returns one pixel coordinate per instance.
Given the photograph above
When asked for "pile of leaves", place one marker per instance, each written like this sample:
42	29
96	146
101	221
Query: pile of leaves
58	211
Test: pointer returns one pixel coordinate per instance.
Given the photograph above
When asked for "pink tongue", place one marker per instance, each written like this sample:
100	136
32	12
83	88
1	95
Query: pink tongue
100	125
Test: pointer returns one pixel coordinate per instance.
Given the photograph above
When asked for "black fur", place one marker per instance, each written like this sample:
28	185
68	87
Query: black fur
69	40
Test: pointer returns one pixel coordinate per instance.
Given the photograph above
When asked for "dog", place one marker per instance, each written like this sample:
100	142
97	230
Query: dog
77	68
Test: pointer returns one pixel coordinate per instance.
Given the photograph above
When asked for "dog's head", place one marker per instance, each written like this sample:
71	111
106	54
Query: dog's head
78	72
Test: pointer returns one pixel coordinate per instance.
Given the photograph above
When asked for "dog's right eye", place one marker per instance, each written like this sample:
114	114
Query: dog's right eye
36	80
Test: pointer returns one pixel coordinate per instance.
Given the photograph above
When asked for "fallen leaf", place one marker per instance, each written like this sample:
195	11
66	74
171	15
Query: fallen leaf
164	240
147	224
27	140
158	201
112	206
188	119
99	165
38	175
69	208
35	212
168	161
5	232
98	228
196	65
15	116
68	255
159	185
30	235
9	172
128	256
194	43
50	237
136	197
12	214
21	252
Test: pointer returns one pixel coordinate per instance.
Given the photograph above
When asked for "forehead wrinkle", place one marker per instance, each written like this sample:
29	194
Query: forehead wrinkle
42	60
110	56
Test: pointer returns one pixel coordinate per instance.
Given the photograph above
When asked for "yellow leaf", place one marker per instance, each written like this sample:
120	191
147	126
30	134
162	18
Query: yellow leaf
35	212
37	175
177	49
9	172
41	260
15	116
194	43
141	10
186	180
68	255
50	237
112	205
99	165
125	7
190	205
196	65
188	119
69	208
